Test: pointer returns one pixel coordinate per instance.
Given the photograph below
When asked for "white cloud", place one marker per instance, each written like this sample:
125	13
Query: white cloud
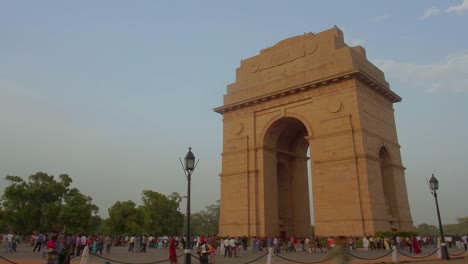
451	74
458	9
432	11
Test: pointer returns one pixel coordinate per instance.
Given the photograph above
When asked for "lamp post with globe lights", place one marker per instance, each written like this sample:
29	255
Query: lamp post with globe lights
434	185
188	166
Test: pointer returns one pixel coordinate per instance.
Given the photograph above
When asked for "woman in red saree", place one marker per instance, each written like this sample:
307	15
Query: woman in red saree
416	248
172	250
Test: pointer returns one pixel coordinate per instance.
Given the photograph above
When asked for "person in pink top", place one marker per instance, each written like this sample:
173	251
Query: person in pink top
77	245
293	247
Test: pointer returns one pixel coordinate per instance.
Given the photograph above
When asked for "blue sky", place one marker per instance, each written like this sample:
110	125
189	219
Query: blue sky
114	92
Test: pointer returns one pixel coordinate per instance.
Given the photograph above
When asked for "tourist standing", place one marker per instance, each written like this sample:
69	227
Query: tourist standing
211	257
83	243
172	250
100	244
330	242
365	243
77	245
132	243
276	246
244	243
54	248
465	241
16	240
68	249
351	243
416	248
302	242
233	245
144	241
293	247
372	243
108	244
39	241
409	243
227	247
10	237
307	244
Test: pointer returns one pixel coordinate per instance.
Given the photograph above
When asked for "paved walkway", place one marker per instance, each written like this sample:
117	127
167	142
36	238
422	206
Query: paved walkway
24	255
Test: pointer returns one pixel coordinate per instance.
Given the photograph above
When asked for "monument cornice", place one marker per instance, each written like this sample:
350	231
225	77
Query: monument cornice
358	75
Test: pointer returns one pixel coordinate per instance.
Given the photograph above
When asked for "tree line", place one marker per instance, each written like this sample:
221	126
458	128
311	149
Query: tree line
45	203
460	228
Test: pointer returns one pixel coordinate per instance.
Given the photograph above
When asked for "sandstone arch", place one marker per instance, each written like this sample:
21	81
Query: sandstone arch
311	91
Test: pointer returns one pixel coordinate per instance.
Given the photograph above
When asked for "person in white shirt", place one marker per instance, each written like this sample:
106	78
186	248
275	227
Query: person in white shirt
307	245
227	248
151	242
221	248
10	237
83	241
232	244
465	241
365	243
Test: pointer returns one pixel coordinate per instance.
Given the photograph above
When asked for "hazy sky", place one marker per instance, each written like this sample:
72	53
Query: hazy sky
114	92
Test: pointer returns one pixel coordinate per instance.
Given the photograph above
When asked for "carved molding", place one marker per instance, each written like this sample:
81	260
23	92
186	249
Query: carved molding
297	93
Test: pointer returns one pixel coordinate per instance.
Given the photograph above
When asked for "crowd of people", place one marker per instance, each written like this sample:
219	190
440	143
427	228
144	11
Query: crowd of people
56	248
59	248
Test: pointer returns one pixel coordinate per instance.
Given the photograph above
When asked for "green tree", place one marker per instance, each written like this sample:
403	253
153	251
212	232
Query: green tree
78	213
43	203
94	224
463	225
206	222
3	224
460	228
124	218
159	214
426	229
162	213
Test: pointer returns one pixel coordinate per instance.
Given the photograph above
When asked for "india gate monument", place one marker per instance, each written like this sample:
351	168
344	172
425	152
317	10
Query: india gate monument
311	107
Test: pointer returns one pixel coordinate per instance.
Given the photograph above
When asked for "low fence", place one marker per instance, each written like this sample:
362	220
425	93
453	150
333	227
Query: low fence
338	253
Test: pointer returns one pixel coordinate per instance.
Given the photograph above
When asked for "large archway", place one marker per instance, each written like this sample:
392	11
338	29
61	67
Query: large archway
311	93
286	137
388	186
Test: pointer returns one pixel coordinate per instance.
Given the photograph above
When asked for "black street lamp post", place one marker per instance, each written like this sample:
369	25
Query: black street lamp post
434	184
189	167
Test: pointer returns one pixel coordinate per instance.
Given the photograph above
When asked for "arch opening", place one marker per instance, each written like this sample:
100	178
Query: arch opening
389	191
288	148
